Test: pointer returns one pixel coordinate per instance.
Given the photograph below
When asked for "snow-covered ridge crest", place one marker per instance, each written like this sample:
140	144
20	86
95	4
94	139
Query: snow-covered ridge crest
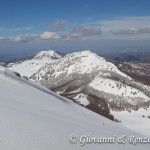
83	62
28	67
84	53
47	54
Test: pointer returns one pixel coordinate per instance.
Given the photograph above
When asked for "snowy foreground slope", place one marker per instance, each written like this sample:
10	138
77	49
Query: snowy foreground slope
34	118
31	66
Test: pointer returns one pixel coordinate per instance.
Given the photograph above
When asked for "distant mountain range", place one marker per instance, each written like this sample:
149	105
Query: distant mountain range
129	57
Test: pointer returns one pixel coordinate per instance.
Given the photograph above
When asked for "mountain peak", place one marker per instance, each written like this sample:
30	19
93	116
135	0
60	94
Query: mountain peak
47	54
82	53
87	57
29	67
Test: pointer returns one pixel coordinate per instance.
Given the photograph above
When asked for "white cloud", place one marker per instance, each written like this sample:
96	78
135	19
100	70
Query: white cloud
124	23
82	32
20	38
58	25
14	29
26	37
131	31
64	30
87	30
28	28
31	37
89	19
9	29
74	35
50	36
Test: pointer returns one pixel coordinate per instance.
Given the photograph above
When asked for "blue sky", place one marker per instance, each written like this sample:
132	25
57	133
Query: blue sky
73	25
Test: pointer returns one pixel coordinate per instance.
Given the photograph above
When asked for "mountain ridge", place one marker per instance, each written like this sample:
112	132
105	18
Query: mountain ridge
28	67
106	89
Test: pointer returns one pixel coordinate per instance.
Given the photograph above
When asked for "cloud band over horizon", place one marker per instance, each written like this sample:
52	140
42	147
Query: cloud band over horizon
102	29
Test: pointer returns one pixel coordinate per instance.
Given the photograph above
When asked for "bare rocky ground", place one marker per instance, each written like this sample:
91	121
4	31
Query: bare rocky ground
139	71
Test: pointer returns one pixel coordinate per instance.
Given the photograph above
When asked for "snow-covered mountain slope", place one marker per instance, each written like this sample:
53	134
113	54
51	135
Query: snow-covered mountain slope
47	54
29	67
104	86
138	120
95	72
82	98
34	118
